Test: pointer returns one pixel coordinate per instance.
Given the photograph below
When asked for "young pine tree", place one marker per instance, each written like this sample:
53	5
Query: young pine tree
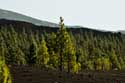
43	55
4	72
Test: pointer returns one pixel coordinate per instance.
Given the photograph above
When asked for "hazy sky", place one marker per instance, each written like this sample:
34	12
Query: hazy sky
98	14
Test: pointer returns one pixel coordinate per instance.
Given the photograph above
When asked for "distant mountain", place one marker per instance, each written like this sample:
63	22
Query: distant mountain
9	15
123	32
19	21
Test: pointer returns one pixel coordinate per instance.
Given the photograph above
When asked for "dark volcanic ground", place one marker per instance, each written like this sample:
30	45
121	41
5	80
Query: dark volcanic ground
28	74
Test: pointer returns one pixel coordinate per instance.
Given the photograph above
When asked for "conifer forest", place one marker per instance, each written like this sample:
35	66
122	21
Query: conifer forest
63	49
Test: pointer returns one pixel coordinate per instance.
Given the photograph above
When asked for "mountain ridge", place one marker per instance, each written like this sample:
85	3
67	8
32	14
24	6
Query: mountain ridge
10	15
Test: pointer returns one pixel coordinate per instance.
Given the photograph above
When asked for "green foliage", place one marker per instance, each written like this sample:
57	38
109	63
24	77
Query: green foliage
53	50
21	57
106	64
4	72
66	49
103	64
43	55
115	62
31	57
90	65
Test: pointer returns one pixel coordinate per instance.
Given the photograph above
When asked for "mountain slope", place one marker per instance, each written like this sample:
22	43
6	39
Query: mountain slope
5	14
123	32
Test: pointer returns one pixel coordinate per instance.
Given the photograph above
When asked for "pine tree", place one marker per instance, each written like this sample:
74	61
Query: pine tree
106	65
60	43
21	57
43	55
2	46
66	49
4	72
53	50
114	60
33	51
70	53
12	46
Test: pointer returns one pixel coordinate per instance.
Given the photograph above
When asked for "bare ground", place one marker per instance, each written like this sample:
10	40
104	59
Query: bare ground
29	74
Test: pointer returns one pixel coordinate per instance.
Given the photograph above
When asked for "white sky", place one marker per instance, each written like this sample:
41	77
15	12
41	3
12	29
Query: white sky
97	14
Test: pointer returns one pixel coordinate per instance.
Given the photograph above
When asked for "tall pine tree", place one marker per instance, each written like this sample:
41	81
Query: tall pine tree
67	58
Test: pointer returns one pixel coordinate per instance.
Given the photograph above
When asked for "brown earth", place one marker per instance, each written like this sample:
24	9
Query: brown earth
29	74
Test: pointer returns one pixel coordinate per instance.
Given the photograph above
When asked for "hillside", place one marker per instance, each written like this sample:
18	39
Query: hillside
123	32
9	15
20	25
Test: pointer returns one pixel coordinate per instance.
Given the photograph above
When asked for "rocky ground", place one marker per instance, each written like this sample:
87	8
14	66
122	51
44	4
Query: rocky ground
29	74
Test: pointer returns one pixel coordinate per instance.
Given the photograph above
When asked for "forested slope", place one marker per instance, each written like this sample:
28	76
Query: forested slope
66	49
